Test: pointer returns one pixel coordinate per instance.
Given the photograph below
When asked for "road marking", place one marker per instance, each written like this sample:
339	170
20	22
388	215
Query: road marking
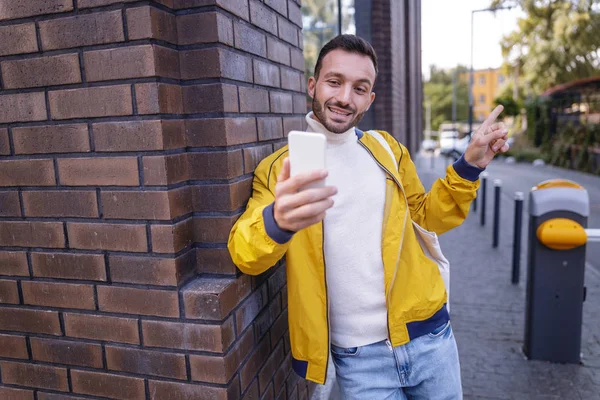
592	270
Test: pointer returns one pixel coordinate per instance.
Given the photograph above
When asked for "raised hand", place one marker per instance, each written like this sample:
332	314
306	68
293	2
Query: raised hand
489	140
296	209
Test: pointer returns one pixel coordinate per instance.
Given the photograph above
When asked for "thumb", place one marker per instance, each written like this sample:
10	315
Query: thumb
284	174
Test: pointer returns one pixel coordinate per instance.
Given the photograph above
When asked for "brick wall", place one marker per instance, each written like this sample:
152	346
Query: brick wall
129	131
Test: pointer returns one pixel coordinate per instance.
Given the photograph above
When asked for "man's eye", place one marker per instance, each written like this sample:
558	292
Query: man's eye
361	90
333	82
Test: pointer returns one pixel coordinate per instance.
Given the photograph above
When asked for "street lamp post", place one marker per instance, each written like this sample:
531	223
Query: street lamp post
471	71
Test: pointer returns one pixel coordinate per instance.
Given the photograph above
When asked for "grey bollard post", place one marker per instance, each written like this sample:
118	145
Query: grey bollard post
517	234
555	273
496	230
484	176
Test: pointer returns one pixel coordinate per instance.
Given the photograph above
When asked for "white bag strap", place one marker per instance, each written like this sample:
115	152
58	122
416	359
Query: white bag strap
383	142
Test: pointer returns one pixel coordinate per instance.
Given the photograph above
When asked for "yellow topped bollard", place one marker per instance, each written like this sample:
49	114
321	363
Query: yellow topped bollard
561	234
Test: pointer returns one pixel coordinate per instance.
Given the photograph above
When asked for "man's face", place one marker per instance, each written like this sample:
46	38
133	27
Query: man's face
342	94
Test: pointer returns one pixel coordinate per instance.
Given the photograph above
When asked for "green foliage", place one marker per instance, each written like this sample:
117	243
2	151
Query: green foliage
556	42
438	91
511	106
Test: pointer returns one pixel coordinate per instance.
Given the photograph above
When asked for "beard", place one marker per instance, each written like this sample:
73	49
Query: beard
319	110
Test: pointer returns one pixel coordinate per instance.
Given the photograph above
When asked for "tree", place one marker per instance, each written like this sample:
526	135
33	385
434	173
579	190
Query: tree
511	106
438	91
556	42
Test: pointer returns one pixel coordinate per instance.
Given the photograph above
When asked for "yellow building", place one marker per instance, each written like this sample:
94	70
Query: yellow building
486	87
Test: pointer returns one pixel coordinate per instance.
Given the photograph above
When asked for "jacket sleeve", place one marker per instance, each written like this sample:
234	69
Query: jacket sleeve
256	242
447	204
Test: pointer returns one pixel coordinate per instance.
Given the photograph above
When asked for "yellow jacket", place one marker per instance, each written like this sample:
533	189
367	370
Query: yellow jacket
415	291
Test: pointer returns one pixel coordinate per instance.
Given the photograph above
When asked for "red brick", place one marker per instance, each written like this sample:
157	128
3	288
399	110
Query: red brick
278	5
297	59
208	27
214	97
213	229
50	203
252	393
15	394
249	39
254	155
215	165
69	266
13	263
214	298
151	23
165	170
158	98
29	8
188	336
64	295
222	197
278	51
4	142
172	238
270	367
270	128
287	31
31	375
151	205
100	327
220	131
91	102
254	363
266	74
98	3
108	385
13	347
18	39
42	71
52	396
116	237
82	30
295	13
219	369
32	234
152	270
299	103
263	17
71	138
36	321
216	261
27	173
22	107
253	100
215	63
144	362
144	135
293	124
166	62
9	292
99	171
160	390
290	79
282	373
9	204
160	303
281	103
251	307
66	352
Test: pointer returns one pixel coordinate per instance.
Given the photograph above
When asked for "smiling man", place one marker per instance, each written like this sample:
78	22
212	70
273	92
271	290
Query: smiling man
359	284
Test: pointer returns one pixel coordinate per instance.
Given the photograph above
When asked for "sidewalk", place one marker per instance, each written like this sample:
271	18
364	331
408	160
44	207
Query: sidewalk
488	314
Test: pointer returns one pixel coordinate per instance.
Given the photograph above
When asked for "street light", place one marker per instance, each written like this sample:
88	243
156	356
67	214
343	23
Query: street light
471	72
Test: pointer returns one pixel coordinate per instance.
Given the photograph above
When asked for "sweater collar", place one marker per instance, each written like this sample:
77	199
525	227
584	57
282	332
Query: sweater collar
334	138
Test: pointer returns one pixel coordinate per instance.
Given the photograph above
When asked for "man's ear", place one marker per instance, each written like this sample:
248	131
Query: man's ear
312	83
372	100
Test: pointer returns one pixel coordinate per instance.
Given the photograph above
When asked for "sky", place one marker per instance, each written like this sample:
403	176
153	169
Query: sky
446	33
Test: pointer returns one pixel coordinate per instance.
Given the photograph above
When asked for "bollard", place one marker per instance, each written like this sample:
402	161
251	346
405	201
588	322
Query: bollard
484	176
496	230
516	262
555	273
432	160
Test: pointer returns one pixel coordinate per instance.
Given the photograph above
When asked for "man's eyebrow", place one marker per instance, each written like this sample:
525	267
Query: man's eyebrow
338	75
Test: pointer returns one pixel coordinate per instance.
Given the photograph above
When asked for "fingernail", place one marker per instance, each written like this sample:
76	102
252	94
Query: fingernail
323	173
495	148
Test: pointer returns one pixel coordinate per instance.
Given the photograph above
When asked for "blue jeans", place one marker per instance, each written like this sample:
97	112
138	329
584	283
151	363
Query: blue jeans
426	368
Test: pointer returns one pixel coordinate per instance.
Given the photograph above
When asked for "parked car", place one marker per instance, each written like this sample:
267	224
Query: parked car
428	145
451	145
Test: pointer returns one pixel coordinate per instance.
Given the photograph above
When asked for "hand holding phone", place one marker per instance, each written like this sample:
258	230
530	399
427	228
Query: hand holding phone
301	199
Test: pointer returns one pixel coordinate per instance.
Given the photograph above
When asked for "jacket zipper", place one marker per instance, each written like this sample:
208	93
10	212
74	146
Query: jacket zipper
401	239
326	299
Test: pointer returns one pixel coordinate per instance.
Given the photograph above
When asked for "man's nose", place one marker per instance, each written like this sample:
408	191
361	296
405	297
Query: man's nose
343	95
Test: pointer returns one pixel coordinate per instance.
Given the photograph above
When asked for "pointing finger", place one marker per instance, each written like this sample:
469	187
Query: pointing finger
491	118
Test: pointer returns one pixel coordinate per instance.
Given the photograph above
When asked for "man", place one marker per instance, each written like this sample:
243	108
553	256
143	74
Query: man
359	283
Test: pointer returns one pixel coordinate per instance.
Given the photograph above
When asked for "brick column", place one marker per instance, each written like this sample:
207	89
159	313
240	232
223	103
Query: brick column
129	132
394	29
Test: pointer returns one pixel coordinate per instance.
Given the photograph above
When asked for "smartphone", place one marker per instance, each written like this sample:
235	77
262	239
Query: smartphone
307	153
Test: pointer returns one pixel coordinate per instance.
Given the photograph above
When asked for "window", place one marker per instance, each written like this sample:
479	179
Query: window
482	99
482	80
500	79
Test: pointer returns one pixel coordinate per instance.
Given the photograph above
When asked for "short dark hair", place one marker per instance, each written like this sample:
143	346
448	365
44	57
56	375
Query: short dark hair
349	43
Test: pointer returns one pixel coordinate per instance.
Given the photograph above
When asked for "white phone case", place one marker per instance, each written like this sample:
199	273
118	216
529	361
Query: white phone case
307	153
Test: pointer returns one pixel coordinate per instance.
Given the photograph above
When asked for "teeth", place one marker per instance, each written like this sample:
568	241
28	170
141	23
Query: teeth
337	112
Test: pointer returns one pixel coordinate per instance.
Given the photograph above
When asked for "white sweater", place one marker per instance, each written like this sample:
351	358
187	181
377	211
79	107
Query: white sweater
352	229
